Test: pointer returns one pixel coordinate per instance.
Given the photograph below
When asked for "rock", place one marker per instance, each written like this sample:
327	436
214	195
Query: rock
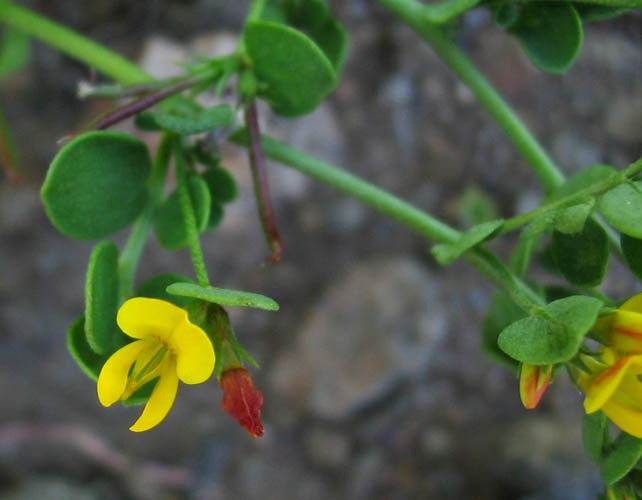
326	448
624	119
51	488
376	324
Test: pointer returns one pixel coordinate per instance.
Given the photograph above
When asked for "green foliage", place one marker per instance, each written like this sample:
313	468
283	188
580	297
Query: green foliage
169	223
476	206
223	189
156	288
15	51
594	433
441	12
186	122
550	34
622	207
582	257
591	12
96	184
583	179
89	361
296	72
571	220
501	313
552	334
101	299
223	296
632	250
624	453
447	253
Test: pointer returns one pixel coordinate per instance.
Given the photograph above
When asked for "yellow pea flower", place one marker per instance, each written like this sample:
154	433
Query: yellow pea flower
533	382
615	388
623	329
169	346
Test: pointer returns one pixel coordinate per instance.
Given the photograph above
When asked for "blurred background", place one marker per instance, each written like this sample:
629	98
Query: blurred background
375	386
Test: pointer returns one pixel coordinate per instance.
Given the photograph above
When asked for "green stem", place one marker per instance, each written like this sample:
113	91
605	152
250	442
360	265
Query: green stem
72	44
395	208
411	12
188	216
133	249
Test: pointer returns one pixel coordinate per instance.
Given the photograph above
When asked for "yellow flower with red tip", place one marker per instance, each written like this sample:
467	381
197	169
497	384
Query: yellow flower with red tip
533	382
622	330
168	347
614	387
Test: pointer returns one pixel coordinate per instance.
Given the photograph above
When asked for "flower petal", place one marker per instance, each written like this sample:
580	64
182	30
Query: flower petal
634	304
142	317
161	400
626	418
625	332
606	383
194	353
113	375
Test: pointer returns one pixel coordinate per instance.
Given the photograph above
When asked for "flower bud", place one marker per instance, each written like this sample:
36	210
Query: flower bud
242	399
533	382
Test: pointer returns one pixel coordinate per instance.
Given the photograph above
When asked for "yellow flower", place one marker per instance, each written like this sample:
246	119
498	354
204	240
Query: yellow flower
623	329
169	347
614	387
533	382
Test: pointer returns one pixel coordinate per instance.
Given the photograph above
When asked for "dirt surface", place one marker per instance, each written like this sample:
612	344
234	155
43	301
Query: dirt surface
374	382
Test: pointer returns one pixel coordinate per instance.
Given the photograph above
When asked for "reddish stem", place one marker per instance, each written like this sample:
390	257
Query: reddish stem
261	188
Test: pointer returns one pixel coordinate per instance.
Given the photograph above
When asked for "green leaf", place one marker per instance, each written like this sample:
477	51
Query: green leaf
101	299
550	33
216	216
201	120
332	38
296	72
141	395
475	206
632	250
439	13
571	220
96	184
582	257
551	335
501	313
221	184
593	434
169	223
223	296
306	14
89	361
505	14
591	12
622	207
156	288
448	252
14	52
624	454
582	180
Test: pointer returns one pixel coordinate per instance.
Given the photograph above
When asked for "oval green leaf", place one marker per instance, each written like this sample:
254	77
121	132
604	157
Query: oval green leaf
96	184
622	207
593	435
223	296
625	452
89	361
582	257
551	336
169	223
501	313
296	72
632	250
195	122
222	186
156	288
550	33
448	252
571	220
101	299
